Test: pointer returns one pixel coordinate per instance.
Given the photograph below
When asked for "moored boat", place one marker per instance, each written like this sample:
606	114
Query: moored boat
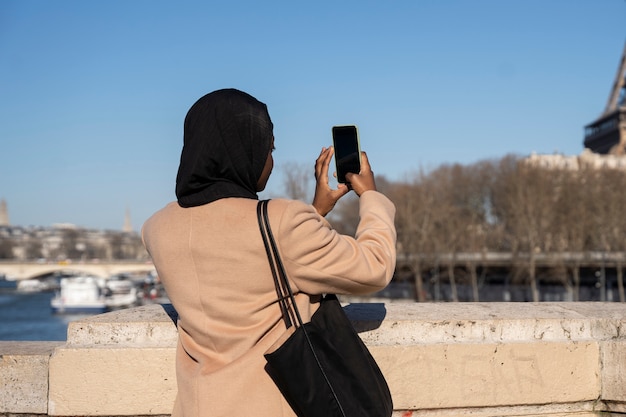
78	295
120	292
37	285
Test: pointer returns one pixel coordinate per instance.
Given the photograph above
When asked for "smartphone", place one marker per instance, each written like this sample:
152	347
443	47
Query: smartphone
347	151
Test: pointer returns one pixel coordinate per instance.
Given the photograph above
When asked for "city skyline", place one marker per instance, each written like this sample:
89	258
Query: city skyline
126	224
93	95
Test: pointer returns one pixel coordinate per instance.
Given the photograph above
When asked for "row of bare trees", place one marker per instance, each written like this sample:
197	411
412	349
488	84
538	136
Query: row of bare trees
503	206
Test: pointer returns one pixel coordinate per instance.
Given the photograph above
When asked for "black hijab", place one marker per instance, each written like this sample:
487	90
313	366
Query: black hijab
227	139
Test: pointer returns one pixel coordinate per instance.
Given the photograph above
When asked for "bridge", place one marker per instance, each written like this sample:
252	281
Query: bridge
20	270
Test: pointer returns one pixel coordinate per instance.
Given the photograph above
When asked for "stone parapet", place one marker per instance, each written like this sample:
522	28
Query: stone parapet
116	364
448	359
24	376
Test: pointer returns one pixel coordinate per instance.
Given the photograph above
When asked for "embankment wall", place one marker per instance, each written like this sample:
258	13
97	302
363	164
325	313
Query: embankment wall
440	359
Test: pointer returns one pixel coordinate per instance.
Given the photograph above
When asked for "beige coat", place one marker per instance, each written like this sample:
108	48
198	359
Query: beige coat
212	262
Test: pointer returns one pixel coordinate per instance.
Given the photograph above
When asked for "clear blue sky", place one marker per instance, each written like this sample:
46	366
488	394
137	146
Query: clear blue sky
93	94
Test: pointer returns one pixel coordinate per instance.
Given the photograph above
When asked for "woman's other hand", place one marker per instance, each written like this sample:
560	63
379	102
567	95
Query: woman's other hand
325	197
364	180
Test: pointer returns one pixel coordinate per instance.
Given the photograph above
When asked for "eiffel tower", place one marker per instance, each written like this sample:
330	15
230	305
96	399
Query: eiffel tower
607	135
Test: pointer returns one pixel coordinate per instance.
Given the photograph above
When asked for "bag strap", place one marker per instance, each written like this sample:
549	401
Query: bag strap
278	272
281	282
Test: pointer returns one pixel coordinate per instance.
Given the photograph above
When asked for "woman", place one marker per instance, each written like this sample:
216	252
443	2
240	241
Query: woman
209	254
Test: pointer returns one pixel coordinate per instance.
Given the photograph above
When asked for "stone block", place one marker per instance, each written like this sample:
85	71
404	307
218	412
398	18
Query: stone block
24	376
614	371
146	326
447	376
116	364
112	381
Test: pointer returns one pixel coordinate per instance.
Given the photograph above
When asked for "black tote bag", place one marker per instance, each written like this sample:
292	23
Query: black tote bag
323	369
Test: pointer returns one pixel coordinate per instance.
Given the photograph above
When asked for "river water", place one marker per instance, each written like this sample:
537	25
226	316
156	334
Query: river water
28	316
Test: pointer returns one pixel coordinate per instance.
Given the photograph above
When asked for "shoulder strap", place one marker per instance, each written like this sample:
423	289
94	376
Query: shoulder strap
286	298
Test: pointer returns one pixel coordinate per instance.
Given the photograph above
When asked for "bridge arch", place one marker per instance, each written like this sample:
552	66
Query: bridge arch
30	270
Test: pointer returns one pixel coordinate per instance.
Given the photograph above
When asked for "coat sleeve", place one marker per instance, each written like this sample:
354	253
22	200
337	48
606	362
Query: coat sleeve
320	260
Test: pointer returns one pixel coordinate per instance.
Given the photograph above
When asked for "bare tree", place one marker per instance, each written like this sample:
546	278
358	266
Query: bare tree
504	205
570	227
6	248
297	181
415	213
33	248
475	186
447	219
607	218
524	200
345	216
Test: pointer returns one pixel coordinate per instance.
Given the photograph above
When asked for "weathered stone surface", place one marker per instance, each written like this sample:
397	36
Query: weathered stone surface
613	362
145	326
418	323
448	359
111	381
24	376
437	376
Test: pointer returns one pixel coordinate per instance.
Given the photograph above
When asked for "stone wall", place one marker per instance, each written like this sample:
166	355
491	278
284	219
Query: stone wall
452	359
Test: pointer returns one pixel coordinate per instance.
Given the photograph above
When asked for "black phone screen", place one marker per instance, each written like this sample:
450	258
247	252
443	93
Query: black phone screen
347	151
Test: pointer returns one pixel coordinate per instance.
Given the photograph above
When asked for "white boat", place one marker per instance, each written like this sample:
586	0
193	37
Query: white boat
120	292
37	285
31	285
79	295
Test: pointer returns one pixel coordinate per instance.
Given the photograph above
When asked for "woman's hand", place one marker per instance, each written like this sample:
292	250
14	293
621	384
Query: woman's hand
364	180
325	197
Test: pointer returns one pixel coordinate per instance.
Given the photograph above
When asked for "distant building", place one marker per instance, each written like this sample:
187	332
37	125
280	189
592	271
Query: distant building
587	159
63	242
67	241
